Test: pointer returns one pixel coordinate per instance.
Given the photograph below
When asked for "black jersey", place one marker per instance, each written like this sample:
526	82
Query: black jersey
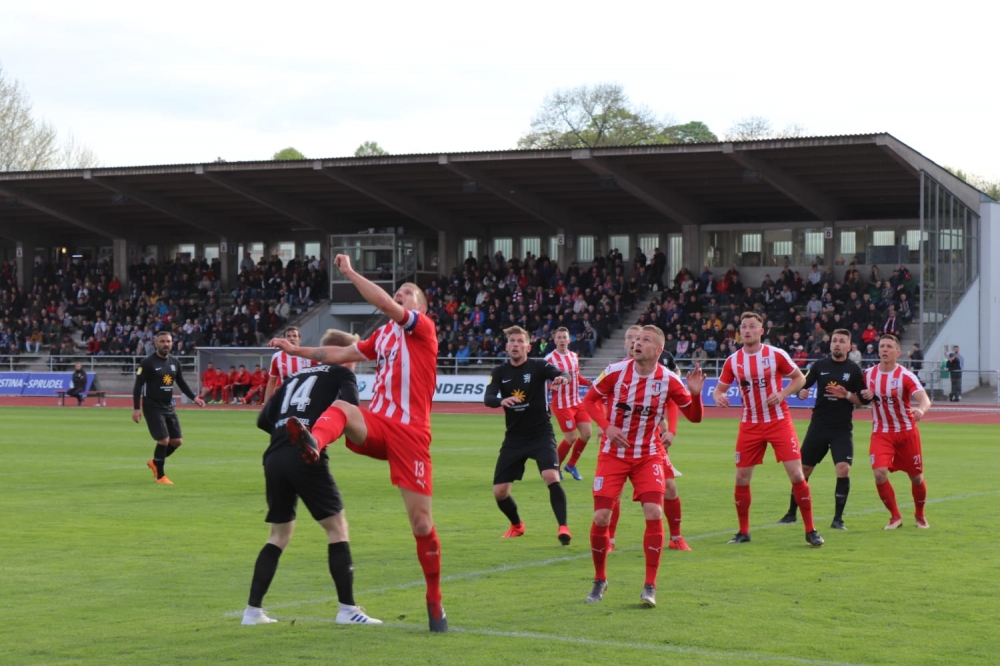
155	379
829	411
530	417
305	395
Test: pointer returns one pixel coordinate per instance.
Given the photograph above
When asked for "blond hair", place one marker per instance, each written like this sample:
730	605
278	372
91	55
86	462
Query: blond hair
337	338
657	333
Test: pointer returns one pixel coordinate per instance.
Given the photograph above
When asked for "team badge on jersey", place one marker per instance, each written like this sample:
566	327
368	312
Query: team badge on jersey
527	377
173	368
765	362
894	384
657	387
598	483
847	376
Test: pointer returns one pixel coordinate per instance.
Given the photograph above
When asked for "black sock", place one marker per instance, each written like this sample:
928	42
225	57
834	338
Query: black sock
793	506
509	508
169	450
159	455
263	573
557	497
840	496
342	570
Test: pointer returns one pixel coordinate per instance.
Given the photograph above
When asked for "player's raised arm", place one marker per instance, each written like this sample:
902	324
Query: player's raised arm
370	291
327	355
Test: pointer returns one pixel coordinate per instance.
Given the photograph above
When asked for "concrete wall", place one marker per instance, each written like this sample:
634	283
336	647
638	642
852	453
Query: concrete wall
960	329
989	287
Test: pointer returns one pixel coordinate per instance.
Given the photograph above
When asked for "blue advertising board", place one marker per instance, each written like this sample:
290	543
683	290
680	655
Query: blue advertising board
38	383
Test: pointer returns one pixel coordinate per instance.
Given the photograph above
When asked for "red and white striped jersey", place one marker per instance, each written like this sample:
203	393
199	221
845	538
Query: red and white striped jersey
406	369
283	365
893	390
567	395
637	403
758	376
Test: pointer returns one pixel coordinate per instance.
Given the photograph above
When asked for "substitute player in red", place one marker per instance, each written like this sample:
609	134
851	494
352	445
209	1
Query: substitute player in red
895	444
396	426
258	383
758	369
567	406
284	364
635	393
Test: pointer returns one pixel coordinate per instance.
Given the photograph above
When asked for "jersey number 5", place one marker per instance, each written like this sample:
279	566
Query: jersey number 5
298	394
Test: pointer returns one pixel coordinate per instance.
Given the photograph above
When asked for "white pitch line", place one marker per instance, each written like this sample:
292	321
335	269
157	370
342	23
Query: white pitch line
530	635
570	558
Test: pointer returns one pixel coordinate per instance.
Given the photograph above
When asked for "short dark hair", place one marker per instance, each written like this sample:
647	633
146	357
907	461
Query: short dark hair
751	315
841	331
163	332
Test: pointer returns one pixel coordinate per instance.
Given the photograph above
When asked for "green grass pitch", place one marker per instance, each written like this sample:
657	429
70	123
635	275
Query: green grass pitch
102	566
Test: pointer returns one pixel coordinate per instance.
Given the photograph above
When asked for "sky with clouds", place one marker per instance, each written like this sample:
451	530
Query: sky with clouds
185	81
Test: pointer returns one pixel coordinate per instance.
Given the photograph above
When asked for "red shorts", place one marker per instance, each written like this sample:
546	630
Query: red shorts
570	417
668	469
646	473
407	449
754	438
898	451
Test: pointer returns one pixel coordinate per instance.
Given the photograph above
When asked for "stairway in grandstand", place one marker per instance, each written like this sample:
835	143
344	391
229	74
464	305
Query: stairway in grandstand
613	349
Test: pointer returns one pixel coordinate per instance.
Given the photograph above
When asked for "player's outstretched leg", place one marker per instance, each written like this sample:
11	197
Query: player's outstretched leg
303	440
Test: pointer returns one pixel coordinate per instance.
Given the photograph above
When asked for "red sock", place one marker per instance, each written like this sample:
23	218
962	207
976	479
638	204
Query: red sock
919	497
578	446
742	499
803	497
616	513
330	426
429	554
563	450
672	509
652	545
888	497
599	549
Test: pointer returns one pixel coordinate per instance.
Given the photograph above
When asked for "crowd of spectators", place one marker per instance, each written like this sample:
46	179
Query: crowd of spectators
700	314
479	299
112	318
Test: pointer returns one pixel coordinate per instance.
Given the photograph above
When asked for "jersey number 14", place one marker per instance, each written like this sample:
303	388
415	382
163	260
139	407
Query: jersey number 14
298	394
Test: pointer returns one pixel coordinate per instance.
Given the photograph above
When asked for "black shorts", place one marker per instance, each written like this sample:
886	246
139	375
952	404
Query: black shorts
162	424
288	477
515	452
820	439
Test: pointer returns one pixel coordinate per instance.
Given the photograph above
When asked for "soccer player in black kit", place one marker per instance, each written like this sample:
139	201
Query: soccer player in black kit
839	382
291	473
519	387
155	379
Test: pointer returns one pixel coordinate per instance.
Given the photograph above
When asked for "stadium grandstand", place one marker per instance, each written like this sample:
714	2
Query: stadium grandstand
818	233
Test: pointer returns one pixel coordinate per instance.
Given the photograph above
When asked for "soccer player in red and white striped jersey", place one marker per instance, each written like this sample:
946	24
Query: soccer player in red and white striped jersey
758	369
628	401
671	499
284	364
895	444
396	425
567	406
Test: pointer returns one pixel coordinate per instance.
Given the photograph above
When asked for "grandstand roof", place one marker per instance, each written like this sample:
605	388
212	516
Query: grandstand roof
598	190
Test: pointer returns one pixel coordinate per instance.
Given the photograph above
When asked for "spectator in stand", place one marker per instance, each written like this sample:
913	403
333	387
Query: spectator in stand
855	354
869	357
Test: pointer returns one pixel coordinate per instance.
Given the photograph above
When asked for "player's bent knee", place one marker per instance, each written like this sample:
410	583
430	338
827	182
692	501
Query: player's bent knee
501	491
843	469
550	476
175	443
602	517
